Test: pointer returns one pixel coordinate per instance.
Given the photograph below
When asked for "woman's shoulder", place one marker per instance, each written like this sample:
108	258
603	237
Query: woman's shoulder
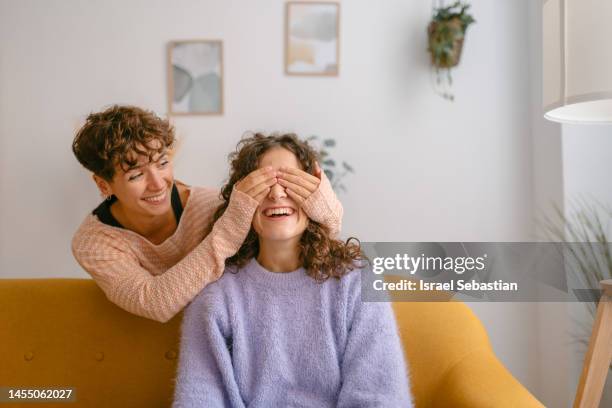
350	288
199	196
93	235
225	285
215	297
351	280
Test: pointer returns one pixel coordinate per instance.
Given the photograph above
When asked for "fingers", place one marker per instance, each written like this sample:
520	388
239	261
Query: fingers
259	197
300	173
258	188
300	178
261	188
296	197
296	188
260	176
256	181
298	184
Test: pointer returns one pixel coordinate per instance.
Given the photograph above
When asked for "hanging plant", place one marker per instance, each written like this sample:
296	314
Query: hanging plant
446	33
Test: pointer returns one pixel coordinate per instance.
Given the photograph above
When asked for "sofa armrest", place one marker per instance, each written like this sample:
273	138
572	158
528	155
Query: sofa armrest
480	380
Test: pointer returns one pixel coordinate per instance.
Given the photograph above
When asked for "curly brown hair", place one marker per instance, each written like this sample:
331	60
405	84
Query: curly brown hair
321	256
117	135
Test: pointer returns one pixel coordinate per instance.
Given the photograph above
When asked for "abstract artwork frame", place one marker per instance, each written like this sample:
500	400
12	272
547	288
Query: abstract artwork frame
195	77
312	38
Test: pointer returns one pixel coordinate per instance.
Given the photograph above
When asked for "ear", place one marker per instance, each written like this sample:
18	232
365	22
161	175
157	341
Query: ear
103	186
317	170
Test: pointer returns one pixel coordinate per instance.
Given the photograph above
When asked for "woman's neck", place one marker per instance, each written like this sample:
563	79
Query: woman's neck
156	229
279	256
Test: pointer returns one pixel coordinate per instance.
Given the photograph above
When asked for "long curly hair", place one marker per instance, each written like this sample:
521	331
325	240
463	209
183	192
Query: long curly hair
321	256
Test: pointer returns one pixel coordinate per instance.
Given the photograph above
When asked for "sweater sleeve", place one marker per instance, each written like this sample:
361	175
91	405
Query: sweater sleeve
205	375
374	373
324	207
159	297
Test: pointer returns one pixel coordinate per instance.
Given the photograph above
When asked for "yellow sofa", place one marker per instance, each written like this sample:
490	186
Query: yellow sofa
65	333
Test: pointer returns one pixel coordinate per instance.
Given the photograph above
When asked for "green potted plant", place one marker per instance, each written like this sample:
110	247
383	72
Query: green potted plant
586	238
446	33
335	174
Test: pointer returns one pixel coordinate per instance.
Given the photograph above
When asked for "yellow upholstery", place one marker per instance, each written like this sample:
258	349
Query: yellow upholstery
63	332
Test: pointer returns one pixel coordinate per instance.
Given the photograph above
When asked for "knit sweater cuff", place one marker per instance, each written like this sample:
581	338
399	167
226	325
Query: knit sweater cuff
323	206
237	219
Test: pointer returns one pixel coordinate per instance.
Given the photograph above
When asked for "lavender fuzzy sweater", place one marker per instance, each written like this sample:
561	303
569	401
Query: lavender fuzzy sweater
261	339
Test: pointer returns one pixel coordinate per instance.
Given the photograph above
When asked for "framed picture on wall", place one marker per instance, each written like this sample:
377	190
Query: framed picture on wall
312	38
195	77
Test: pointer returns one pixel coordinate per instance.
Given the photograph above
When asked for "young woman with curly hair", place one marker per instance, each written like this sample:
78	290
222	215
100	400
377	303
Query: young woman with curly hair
287	326
150	245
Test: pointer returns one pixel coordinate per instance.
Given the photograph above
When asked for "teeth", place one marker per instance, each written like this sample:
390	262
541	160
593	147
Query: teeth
157	198
279	211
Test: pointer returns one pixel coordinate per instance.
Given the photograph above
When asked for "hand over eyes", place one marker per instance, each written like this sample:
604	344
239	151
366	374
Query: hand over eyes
257	183
299	184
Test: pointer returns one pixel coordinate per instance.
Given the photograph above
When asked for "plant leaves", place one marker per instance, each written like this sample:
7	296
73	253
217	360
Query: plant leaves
348	167
329	142
329	162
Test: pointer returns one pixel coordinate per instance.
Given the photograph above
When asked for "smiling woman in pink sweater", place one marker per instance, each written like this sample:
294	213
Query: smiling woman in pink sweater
148	245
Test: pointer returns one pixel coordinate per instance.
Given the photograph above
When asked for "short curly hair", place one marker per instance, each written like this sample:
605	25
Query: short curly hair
322	256
112	136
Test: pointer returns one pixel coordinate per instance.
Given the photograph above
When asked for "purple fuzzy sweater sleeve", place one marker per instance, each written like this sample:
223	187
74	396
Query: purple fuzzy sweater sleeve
373	370
205	375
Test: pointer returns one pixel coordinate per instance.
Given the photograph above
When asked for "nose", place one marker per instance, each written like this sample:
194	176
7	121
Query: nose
277	192
155	181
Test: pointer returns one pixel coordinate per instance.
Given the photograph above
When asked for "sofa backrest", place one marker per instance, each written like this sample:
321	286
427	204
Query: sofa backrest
65	333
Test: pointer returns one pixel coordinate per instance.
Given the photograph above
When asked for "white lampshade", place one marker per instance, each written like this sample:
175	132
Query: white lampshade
577	60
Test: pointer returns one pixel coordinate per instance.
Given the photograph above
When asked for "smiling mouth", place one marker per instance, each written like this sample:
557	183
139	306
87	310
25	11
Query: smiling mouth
278	212
156	198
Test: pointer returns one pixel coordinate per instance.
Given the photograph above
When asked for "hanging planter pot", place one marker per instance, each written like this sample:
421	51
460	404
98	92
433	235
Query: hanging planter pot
446	33
445	42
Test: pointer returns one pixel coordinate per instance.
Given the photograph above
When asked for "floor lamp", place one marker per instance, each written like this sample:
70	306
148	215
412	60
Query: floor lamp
577	88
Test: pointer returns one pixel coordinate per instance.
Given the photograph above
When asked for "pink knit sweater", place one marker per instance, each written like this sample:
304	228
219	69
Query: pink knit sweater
158	281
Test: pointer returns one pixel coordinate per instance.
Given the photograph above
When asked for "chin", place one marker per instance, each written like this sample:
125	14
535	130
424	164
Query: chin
158	211
279	237
155	209
278	231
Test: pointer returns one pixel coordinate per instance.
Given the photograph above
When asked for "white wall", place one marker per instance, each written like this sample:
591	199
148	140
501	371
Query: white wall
427	169
553	341
587	163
